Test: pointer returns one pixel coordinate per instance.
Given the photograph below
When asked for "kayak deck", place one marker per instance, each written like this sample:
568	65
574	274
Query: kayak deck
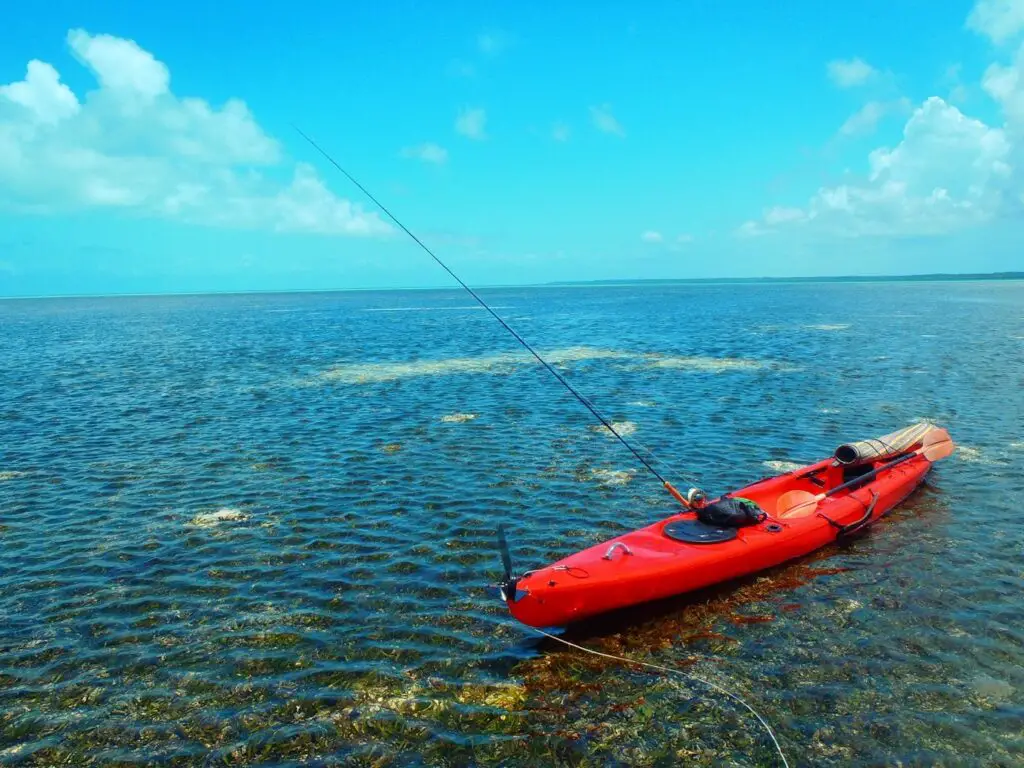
650	563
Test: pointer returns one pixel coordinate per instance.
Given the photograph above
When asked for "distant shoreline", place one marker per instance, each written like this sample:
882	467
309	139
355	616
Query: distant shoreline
937	278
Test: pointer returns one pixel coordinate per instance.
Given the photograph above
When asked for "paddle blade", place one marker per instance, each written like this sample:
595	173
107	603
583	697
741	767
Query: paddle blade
797	504
937	445
506	558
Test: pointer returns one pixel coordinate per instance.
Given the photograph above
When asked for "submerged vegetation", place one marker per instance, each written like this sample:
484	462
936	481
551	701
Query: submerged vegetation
204	564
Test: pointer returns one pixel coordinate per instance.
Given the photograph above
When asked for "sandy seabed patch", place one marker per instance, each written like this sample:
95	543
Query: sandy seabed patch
612	476
777	465
970	455
226	515
458	418
624	428
369	373
713	364
504	363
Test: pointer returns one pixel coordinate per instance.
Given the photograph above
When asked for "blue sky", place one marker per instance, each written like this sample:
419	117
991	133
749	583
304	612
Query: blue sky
150	149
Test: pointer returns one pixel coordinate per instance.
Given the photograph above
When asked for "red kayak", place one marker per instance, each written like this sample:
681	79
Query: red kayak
742	532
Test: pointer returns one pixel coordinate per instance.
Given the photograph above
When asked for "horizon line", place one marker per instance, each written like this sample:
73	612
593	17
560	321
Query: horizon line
599	283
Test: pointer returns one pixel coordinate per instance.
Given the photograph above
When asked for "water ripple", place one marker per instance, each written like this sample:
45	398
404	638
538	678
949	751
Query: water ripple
202	562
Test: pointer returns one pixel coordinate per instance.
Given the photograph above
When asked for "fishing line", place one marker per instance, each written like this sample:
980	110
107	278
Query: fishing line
589	406
593	410
687	675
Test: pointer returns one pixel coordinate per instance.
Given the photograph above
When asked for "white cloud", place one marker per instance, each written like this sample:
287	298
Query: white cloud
121	66
428	153
850	73
958	92
751	229
864	120
650	236
132	143
605	121
470	123
782	215
948	172
42	94
999	20
1005	84
684	238
560	131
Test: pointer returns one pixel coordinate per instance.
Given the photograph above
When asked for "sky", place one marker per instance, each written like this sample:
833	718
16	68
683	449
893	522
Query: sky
149	148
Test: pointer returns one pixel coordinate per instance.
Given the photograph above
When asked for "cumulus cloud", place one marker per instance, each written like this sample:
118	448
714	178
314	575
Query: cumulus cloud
949	171
752	229
470	123
132	143
121	66
851	72
1005	84
650	236
41	94
865	120
428	153
605	121
999	20
560	131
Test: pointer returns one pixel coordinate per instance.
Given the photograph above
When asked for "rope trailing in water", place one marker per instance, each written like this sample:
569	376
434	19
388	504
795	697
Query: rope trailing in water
687	675
590	406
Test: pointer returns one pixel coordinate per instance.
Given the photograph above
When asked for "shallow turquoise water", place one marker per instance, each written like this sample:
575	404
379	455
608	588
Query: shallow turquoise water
260	529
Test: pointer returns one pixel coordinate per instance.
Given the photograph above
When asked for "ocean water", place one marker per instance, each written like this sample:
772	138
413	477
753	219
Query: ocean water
259	529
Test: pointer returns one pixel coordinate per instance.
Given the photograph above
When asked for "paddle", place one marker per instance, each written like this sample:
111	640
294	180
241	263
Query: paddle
936	445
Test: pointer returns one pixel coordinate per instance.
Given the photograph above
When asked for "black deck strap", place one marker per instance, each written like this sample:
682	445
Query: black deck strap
812	475
696	532
845	530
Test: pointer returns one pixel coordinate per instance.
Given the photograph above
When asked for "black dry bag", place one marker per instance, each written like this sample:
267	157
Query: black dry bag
731	513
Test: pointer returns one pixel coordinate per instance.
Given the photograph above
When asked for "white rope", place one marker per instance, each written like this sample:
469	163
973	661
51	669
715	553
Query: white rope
708	683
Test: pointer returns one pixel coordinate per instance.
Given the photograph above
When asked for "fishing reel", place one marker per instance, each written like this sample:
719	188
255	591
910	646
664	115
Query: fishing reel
696	498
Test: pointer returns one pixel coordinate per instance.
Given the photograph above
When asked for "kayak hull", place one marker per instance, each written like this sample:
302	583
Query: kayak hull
647	564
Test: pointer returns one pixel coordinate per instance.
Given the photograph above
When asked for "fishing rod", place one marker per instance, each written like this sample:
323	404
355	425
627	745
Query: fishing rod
684	500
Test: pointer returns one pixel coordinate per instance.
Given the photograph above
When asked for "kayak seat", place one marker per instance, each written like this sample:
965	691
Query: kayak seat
853	472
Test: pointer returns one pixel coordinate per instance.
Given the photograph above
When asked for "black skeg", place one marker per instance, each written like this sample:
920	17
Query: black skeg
589	406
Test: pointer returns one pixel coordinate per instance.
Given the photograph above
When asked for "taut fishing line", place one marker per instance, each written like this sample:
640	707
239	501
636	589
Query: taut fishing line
590	407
